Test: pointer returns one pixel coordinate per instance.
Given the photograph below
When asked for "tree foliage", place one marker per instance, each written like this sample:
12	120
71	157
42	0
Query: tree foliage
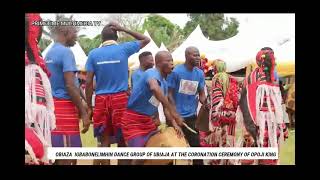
44	43
129	21
215	26
88	44
162	30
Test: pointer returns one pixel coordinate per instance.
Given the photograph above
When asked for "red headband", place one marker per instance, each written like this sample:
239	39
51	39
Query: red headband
33	33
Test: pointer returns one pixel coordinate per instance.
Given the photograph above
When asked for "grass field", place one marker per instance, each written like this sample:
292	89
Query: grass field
287	153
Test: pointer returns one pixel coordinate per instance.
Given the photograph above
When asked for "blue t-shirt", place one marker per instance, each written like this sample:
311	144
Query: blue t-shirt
136	75
142	99
110	66
59	60
186	85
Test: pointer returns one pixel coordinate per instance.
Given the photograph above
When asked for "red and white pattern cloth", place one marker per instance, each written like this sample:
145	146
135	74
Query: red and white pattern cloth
137	128
262	114
67	120
39	109
222	117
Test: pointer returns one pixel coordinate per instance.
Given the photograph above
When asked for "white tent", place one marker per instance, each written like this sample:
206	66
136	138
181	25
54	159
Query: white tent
253	35
79	55
163	47
151	46
196	38
240	50
224	49
286	51
285	57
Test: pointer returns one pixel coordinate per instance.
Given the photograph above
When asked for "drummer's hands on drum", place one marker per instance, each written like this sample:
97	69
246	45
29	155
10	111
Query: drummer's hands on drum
177	118
178	130
179	121
156	121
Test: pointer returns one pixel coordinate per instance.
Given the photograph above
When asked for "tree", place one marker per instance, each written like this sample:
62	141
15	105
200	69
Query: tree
215	26
129	21
85	43
88	44
162	30
62	17
44	43
59	17
177	38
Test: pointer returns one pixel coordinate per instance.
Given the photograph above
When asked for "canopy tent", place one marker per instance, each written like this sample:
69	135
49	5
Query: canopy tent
196	39
253	35
285	58
163	47
134	59
239	51
224	49
79	55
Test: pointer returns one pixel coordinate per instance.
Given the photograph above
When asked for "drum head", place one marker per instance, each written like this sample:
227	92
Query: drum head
166	138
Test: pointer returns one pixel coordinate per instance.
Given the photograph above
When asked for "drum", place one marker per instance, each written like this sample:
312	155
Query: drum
166	138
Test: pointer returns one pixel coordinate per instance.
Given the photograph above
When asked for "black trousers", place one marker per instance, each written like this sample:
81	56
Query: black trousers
193	139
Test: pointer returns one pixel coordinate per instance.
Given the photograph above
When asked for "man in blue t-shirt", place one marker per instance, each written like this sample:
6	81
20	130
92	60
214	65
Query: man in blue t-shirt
109	64
185	82
146	62
61	63
149	92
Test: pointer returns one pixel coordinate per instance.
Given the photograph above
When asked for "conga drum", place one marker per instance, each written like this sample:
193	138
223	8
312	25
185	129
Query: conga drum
166	138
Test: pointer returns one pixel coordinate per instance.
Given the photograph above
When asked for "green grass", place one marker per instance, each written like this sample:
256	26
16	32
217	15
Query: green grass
287	152
87	139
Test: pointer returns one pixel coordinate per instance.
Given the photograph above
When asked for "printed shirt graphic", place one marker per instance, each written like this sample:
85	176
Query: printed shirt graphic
186	85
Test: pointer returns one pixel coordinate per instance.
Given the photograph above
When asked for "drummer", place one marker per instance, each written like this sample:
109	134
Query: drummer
185	83
147	94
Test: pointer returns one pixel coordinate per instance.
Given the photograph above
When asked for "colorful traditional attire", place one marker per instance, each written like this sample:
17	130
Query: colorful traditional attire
204	65
261	109
222	120
290	104
39	106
